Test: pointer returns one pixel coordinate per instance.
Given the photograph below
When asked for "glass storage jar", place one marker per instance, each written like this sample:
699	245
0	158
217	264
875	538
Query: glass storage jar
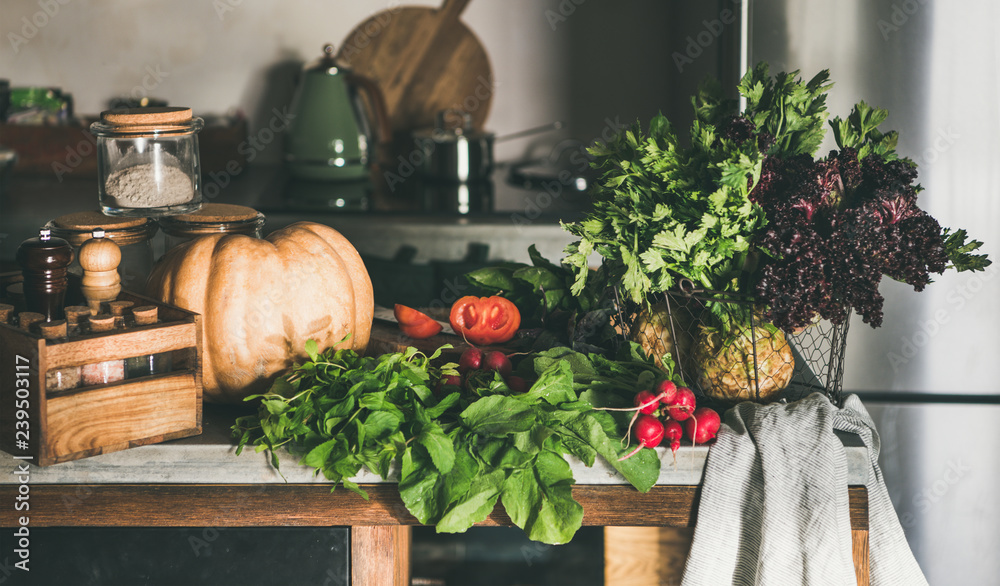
212	218
132	235
148	162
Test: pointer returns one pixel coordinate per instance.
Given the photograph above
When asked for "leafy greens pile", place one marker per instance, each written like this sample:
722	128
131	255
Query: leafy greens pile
747	209
460	453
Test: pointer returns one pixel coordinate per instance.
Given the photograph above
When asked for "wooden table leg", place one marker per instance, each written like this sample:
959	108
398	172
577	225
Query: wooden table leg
859	547
380	555
645	556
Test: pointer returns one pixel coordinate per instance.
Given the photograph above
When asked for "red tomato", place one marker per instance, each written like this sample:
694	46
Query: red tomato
485	320
414	323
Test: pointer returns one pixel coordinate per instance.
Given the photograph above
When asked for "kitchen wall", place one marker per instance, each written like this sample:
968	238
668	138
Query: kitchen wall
585	62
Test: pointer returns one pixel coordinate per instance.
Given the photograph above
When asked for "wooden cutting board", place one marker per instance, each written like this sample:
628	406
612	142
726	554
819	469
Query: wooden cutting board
425	60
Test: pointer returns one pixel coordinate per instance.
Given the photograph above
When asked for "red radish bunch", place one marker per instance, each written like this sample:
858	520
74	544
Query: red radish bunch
448	380
646	402
682	406
667	391
649	432
672	431
471	359
675	405
702	426
517	384
475	360
497	361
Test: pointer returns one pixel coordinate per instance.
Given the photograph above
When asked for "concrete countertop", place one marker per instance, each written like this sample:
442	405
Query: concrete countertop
210	458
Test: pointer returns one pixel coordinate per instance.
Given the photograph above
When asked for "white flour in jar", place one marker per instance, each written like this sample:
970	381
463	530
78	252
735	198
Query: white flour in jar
138	186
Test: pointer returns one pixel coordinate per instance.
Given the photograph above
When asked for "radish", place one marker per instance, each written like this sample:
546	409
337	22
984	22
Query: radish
649	432
471	359
667	391
702	426
496	361
517	384
672	431
448	380
682	406
646	402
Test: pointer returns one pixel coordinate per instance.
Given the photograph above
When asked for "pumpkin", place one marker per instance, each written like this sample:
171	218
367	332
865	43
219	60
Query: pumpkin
262	299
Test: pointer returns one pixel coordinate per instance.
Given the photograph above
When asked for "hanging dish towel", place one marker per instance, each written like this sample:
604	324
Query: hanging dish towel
774	507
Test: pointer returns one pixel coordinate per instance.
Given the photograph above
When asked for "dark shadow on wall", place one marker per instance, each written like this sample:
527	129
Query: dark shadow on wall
629	60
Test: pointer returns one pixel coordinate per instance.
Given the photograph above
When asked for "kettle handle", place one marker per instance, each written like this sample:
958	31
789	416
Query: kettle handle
377	103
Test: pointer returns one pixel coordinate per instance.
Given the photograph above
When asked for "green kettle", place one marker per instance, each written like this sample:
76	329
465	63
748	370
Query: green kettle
332	136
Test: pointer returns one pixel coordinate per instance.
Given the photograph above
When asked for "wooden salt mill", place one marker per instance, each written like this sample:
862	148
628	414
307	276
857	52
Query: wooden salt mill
99	258
43	261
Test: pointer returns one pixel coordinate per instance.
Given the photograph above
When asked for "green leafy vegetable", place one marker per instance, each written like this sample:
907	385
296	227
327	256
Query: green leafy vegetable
460	454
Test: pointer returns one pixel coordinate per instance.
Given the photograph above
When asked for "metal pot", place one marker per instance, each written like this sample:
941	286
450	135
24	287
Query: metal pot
455	153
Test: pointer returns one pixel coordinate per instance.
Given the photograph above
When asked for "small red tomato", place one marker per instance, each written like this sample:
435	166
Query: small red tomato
414	323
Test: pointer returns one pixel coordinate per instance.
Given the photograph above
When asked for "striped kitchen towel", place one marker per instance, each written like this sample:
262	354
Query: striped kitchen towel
774	506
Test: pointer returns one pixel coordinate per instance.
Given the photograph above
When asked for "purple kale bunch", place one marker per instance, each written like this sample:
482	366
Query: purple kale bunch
835	227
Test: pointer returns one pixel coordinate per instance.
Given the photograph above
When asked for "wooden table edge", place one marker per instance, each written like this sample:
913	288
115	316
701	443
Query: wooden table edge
380	526
248	505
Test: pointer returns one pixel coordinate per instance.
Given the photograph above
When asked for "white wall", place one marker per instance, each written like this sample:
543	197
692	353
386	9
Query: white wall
216	56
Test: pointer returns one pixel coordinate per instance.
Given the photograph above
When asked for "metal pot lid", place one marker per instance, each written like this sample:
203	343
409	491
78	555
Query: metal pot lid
446	130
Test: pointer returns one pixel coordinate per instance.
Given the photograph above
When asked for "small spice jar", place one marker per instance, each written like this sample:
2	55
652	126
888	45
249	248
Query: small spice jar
76	319
212	218
59	379
132	235
148	364
109	371
27	319
117	309
148	162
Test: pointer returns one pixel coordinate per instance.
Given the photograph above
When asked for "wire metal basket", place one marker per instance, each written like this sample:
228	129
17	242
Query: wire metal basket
747	360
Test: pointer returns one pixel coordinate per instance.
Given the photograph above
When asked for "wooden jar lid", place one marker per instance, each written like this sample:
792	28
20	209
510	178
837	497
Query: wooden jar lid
102	322
217	212
92	220
145	314
28	318
118	307
75	313
53	329
77	227
147	116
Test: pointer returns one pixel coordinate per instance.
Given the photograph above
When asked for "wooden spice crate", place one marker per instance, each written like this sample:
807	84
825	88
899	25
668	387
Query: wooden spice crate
59	426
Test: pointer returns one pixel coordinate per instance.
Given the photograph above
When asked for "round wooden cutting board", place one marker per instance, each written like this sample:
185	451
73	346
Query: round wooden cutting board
424	60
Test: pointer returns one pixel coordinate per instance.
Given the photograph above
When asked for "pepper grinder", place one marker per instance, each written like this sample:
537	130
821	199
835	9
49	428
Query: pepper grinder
99	258
43	261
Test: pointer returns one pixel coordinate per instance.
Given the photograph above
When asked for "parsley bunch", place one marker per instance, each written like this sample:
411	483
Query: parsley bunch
459	454
663	212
